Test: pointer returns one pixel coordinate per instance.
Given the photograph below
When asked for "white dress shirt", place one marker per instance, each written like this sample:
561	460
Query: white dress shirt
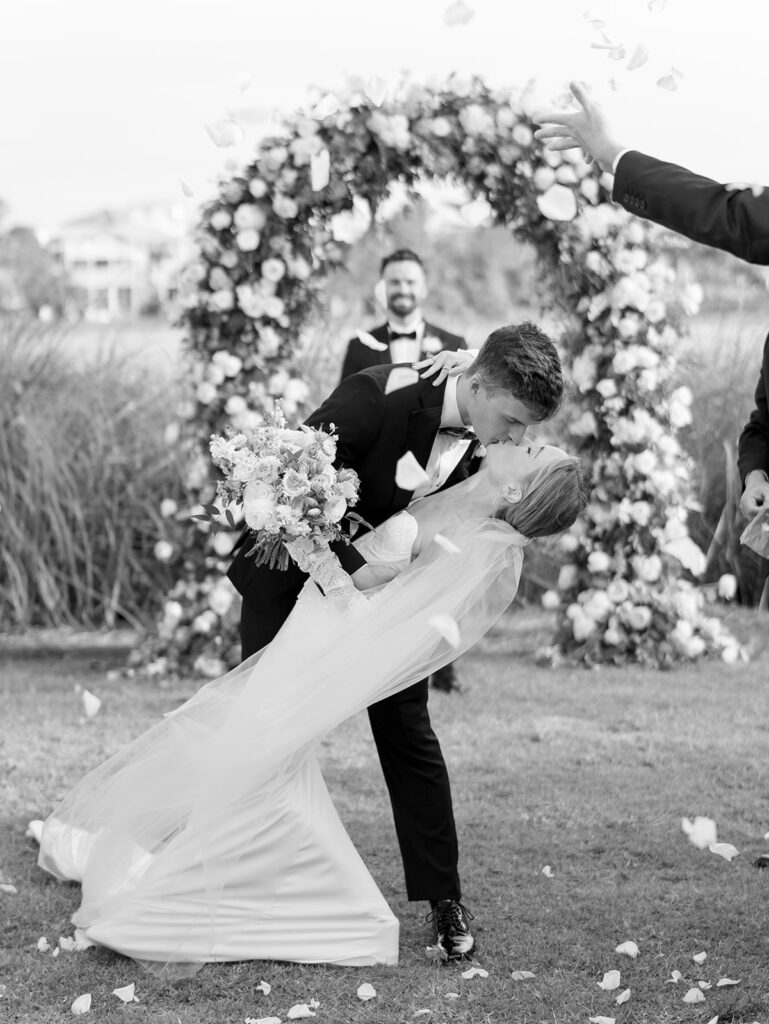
446	451
406	350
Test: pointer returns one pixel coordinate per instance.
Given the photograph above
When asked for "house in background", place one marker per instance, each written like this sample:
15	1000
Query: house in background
124	263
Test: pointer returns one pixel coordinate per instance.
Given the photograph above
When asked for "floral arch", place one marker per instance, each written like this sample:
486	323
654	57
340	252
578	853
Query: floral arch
264	244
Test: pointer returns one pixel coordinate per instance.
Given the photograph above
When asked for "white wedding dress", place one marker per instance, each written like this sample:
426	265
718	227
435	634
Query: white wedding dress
212	837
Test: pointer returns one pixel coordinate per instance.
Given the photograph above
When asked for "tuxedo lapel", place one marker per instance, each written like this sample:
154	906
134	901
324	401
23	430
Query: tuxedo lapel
423	424
382	335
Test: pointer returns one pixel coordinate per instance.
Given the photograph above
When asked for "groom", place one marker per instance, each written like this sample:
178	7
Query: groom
516	380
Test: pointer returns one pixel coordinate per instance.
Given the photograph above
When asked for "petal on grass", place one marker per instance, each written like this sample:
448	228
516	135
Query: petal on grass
629	948
723	982
81	1005
91	703
675	977
694	995
265	987
602	1020
448	629
475	972
300	1010
365	992
704	985
547	871
610	981
126	994
701	832
522	975
401	377
43	944
408	473
700	958
623	997
725	850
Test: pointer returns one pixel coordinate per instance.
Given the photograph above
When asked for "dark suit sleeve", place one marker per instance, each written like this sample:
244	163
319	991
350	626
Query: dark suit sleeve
694	206
753	447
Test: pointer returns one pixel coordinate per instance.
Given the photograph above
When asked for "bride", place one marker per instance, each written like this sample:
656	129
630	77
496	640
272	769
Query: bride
212	837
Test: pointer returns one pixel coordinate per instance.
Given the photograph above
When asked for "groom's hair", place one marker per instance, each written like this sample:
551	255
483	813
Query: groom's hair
522	360
552	499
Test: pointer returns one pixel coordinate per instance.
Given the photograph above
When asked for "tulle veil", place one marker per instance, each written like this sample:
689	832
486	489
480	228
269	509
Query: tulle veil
168	828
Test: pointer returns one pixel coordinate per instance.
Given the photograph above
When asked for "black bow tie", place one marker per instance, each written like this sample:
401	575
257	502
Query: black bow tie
461	432
398	336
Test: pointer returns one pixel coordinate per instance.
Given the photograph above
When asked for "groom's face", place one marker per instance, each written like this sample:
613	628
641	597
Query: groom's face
497	415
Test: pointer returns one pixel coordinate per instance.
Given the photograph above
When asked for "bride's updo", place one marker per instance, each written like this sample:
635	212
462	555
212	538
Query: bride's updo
547	501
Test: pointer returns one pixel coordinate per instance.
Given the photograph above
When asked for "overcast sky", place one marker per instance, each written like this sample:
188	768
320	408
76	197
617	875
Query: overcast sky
104	103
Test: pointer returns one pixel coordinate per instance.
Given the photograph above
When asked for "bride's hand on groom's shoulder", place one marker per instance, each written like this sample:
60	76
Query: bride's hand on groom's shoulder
445	364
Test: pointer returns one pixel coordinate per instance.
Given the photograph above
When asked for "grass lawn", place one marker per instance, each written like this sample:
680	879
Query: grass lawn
588	772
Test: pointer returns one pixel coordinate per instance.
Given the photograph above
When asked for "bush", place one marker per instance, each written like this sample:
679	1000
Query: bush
84	465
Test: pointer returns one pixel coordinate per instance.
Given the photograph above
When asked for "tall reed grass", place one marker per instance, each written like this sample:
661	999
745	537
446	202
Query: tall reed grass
83	468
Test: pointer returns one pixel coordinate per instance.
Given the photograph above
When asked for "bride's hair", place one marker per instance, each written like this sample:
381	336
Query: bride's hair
552	498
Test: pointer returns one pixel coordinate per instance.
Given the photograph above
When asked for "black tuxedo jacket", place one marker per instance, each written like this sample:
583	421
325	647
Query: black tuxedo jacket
694	206
361	357
753	448
373	431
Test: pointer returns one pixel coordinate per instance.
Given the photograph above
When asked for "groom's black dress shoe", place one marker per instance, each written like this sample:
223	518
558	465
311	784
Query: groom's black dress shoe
452	929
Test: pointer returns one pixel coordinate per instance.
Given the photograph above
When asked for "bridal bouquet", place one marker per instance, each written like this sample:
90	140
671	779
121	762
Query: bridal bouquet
291	495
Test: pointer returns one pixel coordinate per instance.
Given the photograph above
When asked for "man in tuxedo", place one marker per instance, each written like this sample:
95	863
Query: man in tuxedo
515	380
733	217
406	337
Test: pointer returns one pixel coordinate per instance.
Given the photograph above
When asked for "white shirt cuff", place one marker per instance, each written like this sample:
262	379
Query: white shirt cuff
617	159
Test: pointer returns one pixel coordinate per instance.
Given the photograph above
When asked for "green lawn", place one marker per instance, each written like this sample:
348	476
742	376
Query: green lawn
589	772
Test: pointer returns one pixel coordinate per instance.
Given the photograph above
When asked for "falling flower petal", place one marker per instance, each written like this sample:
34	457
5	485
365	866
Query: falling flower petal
91	703
370	341
320	170
43	944
558	203
602	1020
638	57
226	132
401	377
547	871
723	982
449	630
623	997
522	975
610	981
675	977
694	995
739	186
186	188
629	948
366	992
700	958
657	5
701	831
458	14
446	544
475	972
408	473
126	994
376	90
326	106
81	1005
725	850
242	81
300	1010
35	830
265	987
670	81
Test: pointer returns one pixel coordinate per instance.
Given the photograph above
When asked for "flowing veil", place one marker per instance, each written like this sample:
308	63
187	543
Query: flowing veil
174	838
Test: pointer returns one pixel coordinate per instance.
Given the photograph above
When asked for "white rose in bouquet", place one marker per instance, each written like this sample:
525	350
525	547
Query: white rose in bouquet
259	503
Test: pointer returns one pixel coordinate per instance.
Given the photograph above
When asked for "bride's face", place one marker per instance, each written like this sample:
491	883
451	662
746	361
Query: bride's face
508	463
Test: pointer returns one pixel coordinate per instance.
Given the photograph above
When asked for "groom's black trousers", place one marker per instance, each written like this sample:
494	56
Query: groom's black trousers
412	763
